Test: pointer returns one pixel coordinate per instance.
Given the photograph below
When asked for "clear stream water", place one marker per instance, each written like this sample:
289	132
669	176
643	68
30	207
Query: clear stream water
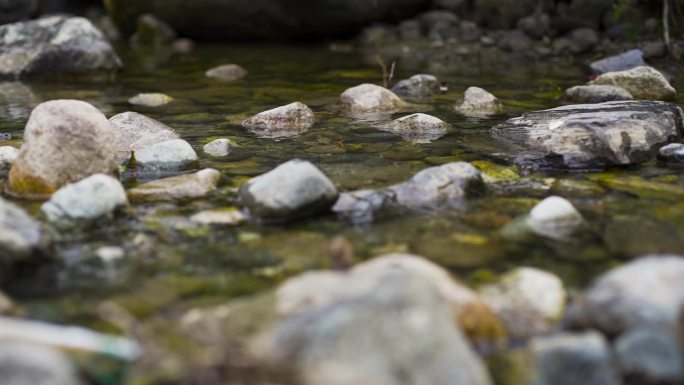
173	264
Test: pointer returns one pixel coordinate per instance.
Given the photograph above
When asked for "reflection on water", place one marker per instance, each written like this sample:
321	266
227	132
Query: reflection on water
199	264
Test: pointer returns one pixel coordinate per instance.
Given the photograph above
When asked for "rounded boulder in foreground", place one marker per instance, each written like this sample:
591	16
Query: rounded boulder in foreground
64	141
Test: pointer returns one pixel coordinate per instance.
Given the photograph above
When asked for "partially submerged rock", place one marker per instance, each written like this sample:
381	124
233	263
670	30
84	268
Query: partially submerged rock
218	148
150	100
84	202
168	156
446	185
135	131
8	155
651	355
477	102
529	301
621	62
227	72
417	87
642	82
27	363
555	218
188	186
20	235
421	128
54	46
292	190
281	122
673	152
589	136
648	292
64	142
316	290
595	94
370	99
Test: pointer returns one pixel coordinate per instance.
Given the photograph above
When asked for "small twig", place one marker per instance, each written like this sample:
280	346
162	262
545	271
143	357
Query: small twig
666	25
383	66
391	75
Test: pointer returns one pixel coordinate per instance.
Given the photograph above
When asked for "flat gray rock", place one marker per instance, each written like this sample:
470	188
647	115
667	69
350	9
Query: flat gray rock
592	136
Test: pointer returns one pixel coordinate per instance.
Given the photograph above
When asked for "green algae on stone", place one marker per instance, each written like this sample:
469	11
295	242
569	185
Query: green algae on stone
493	172
640	187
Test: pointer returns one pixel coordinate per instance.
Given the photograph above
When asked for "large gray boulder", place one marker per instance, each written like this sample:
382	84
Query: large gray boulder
589	136
396	334
20	235
446	185
135	131
84	202
292	190
64	142
264	19
648	292
54	46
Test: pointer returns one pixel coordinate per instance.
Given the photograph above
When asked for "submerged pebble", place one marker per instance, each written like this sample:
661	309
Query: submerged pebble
419	128
150	100
189	186
227	72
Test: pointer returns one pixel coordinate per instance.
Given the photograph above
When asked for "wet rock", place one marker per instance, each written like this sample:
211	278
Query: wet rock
650	356
583	40
421	128
446	185
169	156
275	20
316	290
574	359
227	72
219	147
16	10
8	155
232	217
642	82
324	343
595	94
28	364
294	189
554	218
536	26
477	102
528	301
647	292
135	131
20	235
281	122
54	46
188	186
514	41
621	62
417	87
85	202
64	142
152	32
587	136
150	100
410	30
653	49
673	152
370	99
